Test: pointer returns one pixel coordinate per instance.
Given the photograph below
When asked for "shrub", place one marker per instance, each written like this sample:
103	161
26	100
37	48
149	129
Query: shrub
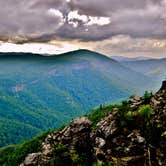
130	115
145	111
15	154
60	148
99	113
147	96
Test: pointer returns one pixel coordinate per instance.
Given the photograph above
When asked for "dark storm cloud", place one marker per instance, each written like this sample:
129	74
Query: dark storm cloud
32	20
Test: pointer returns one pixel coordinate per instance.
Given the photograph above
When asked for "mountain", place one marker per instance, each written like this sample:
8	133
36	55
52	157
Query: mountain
130	133
44	92
123	58
154	68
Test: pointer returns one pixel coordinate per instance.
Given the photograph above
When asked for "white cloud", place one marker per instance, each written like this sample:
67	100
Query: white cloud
55	12
39	48
74	17
99	21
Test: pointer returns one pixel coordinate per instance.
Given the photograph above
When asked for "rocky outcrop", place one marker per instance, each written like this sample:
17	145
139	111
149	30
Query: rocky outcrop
135	102
117	139
158	103
65	147
118	145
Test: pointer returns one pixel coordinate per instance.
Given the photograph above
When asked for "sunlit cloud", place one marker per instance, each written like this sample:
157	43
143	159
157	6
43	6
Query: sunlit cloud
75	18
120	45
39	48
55	12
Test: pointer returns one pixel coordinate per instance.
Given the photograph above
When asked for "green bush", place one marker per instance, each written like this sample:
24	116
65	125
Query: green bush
13	155
147	96
145	111
130	115
97	114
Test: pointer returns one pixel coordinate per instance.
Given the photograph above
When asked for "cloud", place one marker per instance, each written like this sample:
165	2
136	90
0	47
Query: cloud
39	48
75	18
118	45
126	46
123	26
59	18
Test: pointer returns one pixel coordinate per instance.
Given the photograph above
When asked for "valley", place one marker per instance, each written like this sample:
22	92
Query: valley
38	92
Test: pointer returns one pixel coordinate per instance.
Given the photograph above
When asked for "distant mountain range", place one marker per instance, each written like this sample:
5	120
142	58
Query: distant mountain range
154	68
41	92
123	58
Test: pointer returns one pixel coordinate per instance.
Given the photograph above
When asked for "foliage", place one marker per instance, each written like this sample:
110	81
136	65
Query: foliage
38	93
145	111
15	154
147	96
163	134
60	148
123	108
131	97
97	114
74	156
64	155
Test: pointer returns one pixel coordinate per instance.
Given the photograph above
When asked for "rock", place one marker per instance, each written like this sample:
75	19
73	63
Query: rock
74	138
161	151
107	127
32	159
135	102
154	102
137	98
100	155
123	146
100	142
158	103
136	137
163	85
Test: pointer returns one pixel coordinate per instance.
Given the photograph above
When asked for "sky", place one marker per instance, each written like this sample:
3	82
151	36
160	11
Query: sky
113	27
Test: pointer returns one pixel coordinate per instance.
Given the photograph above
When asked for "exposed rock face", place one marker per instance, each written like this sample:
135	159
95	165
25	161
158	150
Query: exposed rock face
113	144
107	127
32	159
135	102
61	146
158	103
136	142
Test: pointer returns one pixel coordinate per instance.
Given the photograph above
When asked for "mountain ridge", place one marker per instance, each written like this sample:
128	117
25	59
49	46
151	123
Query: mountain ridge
62	87
36	88
53	55
130	133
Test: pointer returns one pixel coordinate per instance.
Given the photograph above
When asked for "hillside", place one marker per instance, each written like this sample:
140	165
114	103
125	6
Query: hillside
131	133
154	68
128	59
40	92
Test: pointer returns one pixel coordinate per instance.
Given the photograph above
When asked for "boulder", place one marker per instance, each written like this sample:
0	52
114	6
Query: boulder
107	127
32	159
